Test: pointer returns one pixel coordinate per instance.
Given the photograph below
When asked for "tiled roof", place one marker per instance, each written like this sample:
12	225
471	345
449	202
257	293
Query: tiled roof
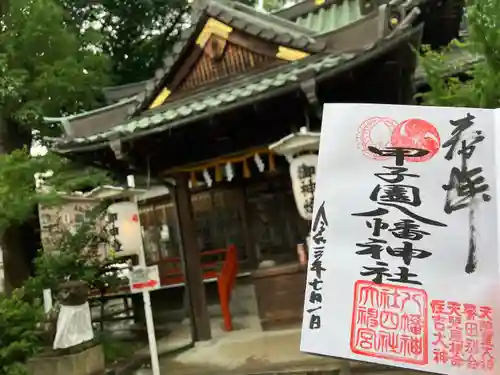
265	26
328	16
240	17
114	94
221	98
332	17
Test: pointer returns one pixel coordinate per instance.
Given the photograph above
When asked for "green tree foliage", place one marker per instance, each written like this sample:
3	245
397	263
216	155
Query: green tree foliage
18	195
135	34
47	69
75	255
481	45
272	5
19	320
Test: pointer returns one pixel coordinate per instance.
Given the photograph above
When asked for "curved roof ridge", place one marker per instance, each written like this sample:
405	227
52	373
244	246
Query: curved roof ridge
115	93
270	17
78	116
302	8
241	17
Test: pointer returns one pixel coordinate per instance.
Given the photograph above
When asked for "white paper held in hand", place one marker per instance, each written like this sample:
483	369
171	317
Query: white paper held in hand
404	263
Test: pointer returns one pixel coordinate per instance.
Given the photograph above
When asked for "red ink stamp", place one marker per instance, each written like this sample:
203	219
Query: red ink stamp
417	133
390	322
463	335
376	132
383	132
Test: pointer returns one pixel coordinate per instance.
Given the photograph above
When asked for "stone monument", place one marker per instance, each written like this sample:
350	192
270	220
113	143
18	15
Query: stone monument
69	333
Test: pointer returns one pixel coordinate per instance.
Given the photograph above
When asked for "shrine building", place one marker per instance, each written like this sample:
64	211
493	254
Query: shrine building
217	128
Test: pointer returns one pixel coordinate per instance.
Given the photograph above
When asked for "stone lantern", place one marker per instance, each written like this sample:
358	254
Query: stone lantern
301	151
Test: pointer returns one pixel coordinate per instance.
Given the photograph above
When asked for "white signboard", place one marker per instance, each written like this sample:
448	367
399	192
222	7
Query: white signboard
143	279
403	267
303	176
124	228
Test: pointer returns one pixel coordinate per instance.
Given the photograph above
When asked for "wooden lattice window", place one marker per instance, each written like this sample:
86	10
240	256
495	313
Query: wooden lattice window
274	220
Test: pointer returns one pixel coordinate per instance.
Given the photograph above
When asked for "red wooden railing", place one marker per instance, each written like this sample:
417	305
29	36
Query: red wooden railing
225	275
224	271
225	284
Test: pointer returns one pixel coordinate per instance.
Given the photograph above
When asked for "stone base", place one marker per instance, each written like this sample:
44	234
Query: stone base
88	362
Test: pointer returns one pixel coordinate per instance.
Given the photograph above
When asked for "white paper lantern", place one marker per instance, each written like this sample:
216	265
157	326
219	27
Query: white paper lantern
303	176
126	228
300	149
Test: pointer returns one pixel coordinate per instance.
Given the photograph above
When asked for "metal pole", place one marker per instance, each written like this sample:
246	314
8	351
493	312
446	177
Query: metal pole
148	312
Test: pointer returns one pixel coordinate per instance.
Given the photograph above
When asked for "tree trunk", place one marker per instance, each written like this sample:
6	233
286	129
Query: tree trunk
17	242
16	258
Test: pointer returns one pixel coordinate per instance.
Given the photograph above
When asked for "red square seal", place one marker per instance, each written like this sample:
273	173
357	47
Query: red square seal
390	322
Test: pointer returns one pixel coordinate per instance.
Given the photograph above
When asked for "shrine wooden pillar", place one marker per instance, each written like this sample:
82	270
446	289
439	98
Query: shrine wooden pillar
191	260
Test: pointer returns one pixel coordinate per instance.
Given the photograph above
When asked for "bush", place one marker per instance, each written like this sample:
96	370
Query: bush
74	257
481	48
115	349
18	338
